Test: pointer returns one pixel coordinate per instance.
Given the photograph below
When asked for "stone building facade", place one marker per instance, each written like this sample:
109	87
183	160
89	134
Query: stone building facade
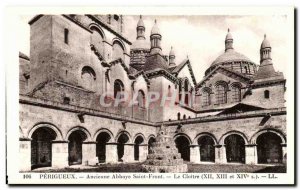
235	114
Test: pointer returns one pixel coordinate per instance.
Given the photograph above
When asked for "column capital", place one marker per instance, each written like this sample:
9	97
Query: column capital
250	145
25	139
89	142
59	141
194	145
112	143
219	145
283	144
129	144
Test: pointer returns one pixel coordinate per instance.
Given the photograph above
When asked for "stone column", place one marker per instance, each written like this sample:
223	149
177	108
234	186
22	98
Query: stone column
284	153
25	154
111	153
128	153
195	154
60	154
251	154
220	154
89	153
143	151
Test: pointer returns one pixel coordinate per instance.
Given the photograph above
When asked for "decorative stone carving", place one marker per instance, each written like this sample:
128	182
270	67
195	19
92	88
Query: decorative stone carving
163	157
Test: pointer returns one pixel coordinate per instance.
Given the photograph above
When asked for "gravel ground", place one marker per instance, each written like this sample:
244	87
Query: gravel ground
192	168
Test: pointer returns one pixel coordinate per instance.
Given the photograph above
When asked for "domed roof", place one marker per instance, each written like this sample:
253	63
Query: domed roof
155	29
140	22
172	53
265	43
230	56
140	44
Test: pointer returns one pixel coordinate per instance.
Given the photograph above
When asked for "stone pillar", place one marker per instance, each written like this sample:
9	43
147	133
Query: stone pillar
60	154
195	154
128	153
25	154
111	153
251	154
220	154
284	153
89	153
143	151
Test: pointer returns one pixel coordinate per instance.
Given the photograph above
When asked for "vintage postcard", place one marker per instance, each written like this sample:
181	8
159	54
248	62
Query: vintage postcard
150	95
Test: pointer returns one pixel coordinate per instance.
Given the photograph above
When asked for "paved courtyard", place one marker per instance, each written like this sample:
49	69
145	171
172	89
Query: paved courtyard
192	168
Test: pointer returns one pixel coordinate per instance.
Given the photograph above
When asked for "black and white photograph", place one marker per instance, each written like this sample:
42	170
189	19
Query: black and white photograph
126	96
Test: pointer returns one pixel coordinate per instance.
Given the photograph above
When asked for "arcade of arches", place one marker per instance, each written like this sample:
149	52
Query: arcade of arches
46	149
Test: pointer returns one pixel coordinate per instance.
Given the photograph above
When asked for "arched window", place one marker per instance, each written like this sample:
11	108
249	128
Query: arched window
267	94
246	69
184	116
179	91
88	77
178	116
236	93
169	91
221	96
116	17
97	39
141	99
118	88
186	92
205	98
118	50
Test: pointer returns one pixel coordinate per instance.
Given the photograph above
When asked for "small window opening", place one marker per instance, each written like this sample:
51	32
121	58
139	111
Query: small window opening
267	94
66	36
66	100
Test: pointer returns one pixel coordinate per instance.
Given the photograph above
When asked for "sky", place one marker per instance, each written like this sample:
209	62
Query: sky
201	38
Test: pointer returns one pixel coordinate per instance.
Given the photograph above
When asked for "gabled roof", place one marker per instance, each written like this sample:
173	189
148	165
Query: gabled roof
161	72
230	72
137	74
120	61
155	61
178	68
22	55
240	108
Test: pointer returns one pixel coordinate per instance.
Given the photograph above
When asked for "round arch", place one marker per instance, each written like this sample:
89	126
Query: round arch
141	135
105	130
88	70
119	41
277	132
206	89
236	84
126	133
79	128
223	83
98	29
150	136
195	141
183	143
59	135
183	135
223	137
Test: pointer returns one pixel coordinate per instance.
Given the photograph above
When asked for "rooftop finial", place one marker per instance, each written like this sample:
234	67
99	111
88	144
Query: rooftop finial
140	16
155	21
265	36
228	30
